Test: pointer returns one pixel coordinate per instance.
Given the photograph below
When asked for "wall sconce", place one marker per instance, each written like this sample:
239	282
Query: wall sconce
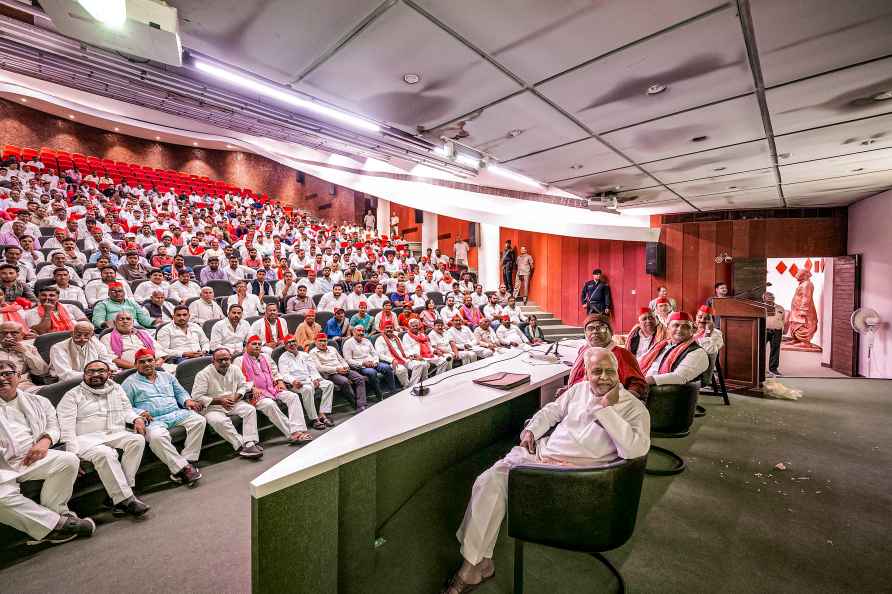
722	258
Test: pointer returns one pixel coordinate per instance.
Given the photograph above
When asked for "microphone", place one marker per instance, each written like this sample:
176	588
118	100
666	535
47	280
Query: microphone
420	390
547	356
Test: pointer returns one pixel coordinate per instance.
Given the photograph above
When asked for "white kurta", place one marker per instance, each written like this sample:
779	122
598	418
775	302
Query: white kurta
176	340
713	343
131	344
224	335
200	311
509	335
689	369
60	359
409	373
356	352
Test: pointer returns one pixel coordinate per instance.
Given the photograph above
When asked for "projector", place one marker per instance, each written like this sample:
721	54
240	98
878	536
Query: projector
150	29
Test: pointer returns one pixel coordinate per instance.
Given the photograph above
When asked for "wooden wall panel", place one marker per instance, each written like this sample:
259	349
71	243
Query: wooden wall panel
690	297
674	240
706	259
449	229
408	227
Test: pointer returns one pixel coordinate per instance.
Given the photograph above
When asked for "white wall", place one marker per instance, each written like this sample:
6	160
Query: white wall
870	236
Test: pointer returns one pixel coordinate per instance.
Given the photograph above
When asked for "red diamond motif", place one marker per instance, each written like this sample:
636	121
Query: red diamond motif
781	267
809	264
794	270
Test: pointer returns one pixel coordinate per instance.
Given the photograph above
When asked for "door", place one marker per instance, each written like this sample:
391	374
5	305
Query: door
844	343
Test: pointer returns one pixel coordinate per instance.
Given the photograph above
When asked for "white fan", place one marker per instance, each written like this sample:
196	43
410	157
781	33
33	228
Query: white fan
867	322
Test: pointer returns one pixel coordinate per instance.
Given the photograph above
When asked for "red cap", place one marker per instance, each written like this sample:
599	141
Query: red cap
62	229
386	325
143	353
322	335
288	337
662	300
506	317
363	304
680	316
310	312
705	309
643	310
115	285
251	339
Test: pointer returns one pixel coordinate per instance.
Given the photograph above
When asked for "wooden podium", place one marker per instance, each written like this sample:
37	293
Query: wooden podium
743	328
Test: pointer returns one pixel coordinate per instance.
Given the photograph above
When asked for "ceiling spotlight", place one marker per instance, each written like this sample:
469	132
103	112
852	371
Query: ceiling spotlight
157	138
111	13
699	138
70	117
576	166
117	129
515	133
467	160
229	146
884	96
410	78
24	100
655	89
719	168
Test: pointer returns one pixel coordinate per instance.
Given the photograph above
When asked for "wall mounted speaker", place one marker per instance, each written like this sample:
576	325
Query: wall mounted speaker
655	258
419	216
473	231
301	179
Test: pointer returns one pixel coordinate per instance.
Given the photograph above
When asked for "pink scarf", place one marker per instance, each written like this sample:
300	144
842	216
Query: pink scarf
117	342
471	315
258	372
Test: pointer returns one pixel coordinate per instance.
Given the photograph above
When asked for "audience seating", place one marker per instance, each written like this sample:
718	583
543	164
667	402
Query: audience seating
45	342
671	409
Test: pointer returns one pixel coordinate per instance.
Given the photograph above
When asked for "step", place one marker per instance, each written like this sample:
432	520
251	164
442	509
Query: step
562	330
549	322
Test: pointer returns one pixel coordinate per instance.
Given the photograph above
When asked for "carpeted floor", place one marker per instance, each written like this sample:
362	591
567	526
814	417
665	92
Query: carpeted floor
804	364
730	523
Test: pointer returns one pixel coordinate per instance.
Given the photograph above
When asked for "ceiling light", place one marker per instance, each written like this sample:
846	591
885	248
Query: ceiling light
884	96
655	89
70	117
501	171
229	146
117	129
24	100
194	144
157	138
410	78
576	166
515	133
719	168
467	160
699	138
256	86
111	13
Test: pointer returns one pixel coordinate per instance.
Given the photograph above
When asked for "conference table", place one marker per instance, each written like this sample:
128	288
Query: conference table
355	510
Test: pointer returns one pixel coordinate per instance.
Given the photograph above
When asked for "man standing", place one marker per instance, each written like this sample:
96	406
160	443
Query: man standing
596	295
524	274
221	389
774	332
28	429
297	368
509	261
68	358
594	422
721	290
160	399
460	251
332	366
92	420
678	359
369	220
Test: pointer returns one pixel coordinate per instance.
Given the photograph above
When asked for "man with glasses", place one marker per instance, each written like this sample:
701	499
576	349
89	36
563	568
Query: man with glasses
28	430
599	334
160	399
646	333
23	356
93	419
677	359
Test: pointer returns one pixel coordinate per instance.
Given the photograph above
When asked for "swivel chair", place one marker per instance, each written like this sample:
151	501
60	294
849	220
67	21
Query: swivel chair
671	409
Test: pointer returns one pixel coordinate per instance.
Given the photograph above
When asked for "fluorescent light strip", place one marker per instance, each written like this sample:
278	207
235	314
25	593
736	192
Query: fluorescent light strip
499	170
112	13
285	97
468	160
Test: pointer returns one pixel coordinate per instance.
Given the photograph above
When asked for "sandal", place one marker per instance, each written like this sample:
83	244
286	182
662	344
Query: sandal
457	585
302	437
318	424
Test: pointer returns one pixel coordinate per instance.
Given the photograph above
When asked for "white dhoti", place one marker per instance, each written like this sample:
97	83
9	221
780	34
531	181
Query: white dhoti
467	357
161	445
58	471
218	418
480	528
307	395
117	476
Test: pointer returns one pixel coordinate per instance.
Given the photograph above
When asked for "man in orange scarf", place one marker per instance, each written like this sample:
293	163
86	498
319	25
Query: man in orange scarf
50	315
677	359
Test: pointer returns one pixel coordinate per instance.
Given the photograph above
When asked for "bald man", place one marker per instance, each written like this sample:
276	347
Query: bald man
595	422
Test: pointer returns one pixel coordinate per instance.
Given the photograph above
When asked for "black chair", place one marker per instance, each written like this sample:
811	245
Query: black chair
222	288
437	298
317	299
41	283
45	342
122	375
208	327
588	510
293	320
322	317
277	353
715	378
671	409
55	392
188	369
267	299
193	260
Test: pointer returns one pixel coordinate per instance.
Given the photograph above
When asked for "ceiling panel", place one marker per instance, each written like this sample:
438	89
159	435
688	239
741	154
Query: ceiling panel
726	123
834	198
757	198
537	39
832	98
869	162
367	74
798	38
653	208
840	185
655	195
732	159
699	63
628	178
517	126
276	39
571	160
841	139
722	184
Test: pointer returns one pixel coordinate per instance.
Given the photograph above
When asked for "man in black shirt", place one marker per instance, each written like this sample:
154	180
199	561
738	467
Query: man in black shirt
509	259
596	295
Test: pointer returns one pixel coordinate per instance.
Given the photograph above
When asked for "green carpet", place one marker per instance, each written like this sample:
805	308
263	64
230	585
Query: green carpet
730	523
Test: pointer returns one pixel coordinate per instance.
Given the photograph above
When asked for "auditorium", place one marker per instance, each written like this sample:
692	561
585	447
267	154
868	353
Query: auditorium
445	296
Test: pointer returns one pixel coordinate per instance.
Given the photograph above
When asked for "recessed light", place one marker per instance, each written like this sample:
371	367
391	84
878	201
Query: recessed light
858	169
884	96
699	138
194	144
719	168
515	133
576	166
117	129
24	100
229	146
410	78
70	117
157	138
784	156
655	89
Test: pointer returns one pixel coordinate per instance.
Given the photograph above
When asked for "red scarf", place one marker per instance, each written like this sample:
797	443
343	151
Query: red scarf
674	354
61	321
268	331
423	344
400	357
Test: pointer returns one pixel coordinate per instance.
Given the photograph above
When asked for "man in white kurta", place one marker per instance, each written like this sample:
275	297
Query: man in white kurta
442	344
205	308
677	360
92	420
28	429
509	334
298	369
181	338
409	370
221	388
231	332
706	334
67	358
464	339
594	422
418	345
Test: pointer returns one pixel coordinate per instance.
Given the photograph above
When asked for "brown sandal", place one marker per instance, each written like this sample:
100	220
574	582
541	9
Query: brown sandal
459	586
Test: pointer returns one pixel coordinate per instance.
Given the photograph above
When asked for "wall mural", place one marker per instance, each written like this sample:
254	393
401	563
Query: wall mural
798	286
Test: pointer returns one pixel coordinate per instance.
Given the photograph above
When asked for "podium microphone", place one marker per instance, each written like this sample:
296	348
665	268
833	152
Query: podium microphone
420	390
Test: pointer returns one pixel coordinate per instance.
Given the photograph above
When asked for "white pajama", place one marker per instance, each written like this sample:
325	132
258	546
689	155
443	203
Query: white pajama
58	471
410	373
307	395
218	418
161	445
271	409
117	476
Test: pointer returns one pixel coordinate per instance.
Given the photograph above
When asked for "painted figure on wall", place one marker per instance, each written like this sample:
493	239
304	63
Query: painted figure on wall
803	315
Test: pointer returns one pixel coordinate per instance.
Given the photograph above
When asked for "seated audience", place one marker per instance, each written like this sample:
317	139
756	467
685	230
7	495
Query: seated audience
298	370
105	311
231	332
706	334
271	328
337	327
465	341
361	355
260	286
27	361
50	315
599	334
67	291
334	367
159	309
124	341
205	308
408	369
533	331
486	337
646	333
184	288
418	346
677	359
362	318
510	335
300	302
68	357
662	293
182	339
250	304
307	330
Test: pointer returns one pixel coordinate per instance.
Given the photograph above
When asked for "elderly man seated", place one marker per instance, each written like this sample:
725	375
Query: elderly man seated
509	334
125	340
646	333
599	334
595	422
408	369
105	311
334	367
92	419
28	429
98	290
222	390
262	373
677	359
67	358
160	399
23	356
417	345
205	308
298	369
360	354
707	335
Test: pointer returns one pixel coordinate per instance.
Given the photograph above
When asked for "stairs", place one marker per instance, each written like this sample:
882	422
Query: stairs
553	328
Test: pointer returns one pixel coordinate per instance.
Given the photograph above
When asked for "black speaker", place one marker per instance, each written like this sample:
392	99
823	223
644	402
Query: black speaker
419	216
301	179
473	240
655	258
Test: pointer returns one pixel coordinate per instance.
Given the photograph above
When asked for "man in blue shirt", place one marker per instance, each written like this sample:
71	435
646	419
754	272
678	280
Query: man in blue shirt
164	403
338	328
